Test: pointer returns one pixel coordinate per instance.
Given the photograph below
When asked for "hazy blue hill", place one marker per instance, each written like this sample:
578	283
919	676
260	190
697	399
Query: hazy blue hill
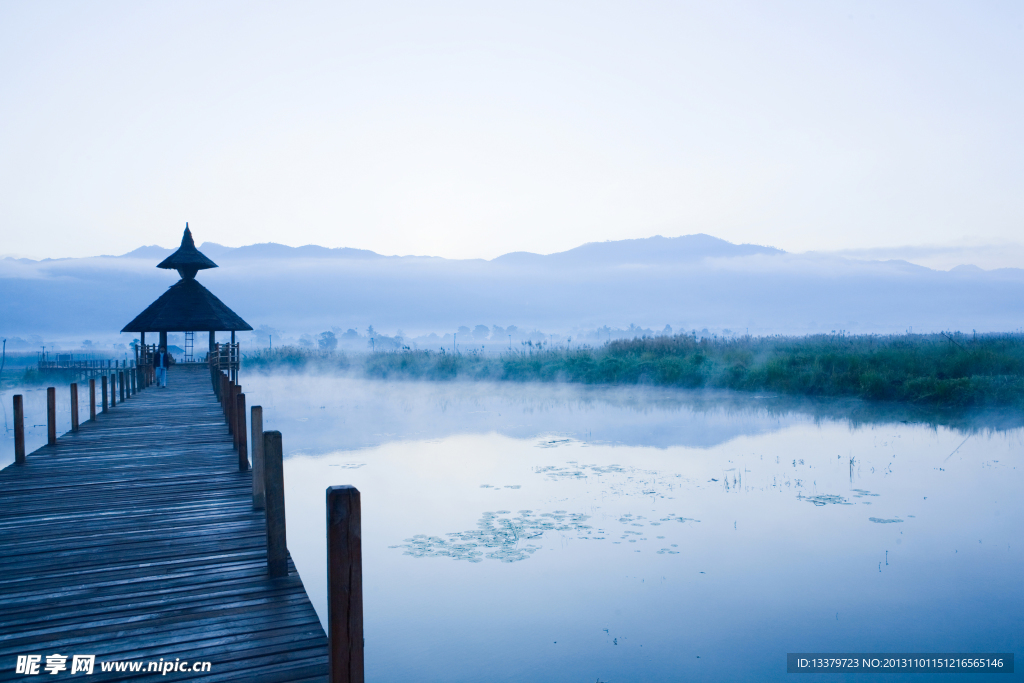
272	250
150	252
651	250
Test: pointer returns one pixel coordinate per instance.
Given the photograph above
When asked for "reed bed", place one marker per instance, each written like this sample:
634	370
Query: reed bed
948	369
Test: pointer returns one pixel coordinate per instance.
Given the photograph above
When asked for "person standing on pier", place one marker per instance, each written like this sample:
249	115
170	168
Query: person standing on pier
163	361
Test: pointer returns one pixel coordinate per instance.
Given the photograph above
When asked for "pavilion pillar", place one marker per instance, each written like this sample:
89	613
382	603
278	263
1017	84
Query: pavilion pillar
141	356
163	340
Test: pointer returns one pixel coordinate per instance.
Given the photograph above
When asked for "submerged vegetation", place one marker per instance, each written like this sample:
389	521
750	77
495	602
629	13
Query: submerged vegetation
949	370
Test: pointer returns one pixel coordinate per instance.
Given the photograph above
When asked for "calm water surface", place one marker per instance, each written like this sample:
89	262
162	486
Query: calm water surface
554	533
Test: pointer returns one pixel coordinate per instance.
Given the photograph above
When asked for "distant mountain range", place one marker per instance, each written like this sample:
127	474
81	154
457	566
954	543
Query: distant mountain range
652	250
689	282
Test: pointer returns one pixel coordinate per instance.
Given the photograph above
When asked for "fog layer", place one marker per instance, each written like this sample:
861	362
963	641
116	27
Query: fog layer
688	282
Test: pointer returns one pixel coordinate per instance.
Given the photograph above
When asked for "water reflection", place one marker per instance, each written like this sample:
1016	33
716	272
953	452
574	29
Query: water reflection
376	412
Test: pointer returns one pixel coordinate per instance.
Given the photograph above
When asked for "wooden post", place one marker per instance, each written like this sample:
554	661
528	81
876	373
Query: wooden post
232	393
258	497
273	472
120	380
51	416
74	406
19	430
225	397
92	399
243	447
224	394
103	404
344	585
233	358
113	390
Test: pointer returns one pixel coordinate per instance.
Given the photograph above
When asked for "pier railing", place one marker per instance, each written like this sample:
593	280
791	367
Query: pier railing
344	535
82	368
344	520
117	383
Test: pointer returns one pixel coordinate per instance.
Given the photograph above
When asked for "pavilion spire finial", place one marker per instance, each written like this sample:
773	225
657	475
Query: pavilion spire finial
187	260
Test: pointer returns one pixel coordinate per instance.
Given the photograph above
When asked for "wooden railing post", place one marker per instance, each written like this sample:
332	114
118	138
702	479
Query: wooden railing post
120	381
113	390
51	416
19	430
273	470
258	496
243	447
344	585
103	404
74	406
92	399
232	397
229	395
224	396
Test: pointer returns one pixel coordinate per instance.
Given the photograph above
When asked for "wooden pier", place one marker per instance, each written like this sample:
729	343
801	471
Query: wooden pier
135	539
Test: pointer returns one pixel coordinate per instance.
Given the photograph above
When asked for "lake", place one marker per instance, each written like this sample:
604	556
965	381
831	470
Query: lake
556	533
517	532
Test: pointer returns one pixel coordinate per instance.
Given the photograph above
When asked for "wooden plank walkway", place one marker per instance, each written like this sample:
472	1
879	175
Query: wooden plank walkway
135	539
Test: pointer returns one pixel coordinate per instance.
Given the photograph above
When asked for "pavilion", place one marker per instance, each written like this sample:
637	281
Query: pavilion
187	306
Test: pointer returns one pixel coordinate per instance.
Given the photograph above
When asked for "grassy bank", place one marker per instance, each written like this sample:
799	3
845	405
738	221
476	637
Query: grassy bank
953	370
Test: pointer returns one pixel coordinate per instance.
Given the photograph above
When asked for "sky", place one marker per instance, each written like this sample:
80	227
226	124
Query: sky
473	129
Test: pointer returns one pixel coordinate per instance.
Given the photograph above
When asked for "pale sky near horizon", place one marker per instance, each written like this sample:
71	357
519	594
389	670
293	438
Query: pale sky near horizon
472	129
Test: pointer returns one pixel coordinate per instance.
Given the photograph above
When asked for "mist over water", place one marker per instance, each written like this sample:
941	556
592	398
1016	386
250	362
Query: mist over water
524	532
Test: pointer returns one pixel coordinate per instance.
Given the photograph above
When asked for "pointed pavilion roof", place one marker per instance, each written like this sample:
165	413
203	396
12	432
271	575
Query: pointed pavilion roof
187	306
